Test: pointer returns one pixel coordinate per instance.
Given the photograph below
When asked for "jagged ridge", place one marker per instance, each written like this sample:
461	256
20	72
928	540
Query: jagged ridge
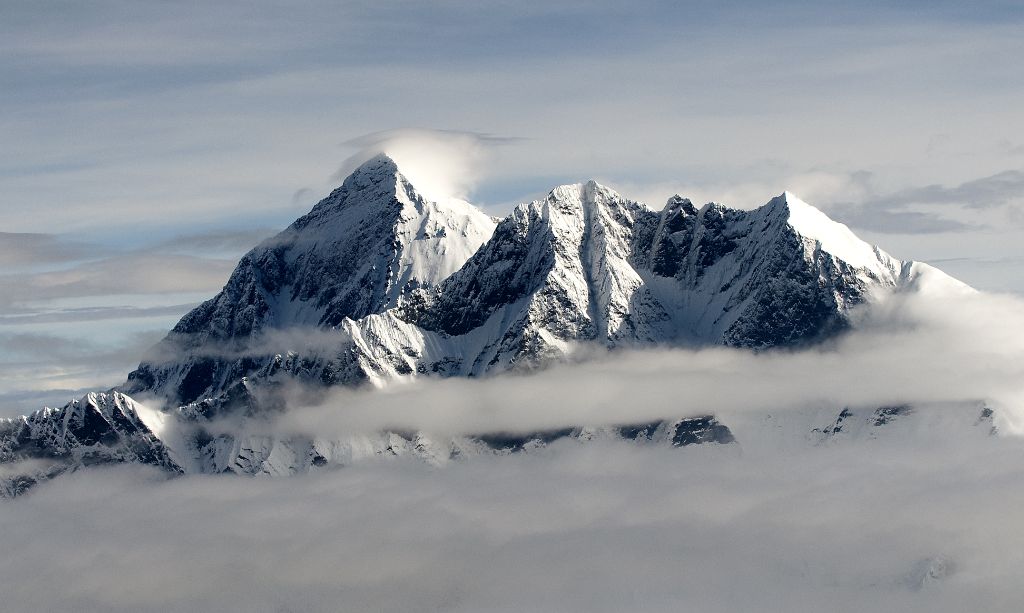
377	283
361	250
96	429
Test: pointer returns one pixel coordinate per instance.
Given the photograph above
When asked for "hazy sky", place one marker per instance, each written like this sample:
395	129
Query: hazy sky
146	145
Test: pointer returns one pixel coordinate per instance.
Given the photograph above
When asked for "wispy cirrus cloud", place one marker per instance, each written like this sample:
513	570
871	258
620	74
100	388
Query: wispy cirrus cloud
79	314
33	249
988	201
51	367
998	190
47	267
136	274
857	199
85	314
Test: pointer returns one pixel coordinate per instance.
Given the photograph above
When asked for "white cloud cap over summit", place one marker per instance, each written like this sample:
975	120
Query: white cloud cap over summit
441	164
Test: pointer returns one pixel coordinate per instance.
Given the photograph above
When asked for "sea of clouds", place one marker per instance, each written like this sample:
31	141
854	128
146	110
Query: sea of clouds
894	518
921	519
907	525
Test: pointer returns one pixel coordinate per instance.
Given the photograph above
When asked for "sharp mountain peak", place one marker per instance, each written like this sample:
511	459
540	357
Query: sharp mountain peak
378	283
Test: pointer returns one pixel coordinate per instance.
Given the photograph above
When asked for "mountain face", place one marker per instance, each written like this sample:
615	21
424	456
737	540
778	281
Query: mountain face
585	265
378	284
97	429
361	250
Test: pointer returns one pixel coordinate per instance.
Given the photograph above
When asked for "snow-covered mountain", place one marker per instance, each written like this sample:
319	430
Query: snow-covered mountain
378	284
361	250
100	428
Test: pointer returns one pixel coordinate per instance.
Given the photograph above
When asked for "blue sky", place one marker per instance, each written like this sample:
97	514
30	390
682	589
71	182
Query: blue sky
147	144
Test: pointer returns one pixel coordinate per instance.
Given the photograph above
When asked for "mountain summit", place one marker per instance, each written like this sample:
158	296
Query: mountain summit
378	283
398	286
363	249
395	285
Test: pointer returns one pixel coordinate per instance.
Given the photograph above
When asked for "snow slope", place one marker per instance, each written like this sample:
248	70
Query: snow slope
585	265
361	250
96	429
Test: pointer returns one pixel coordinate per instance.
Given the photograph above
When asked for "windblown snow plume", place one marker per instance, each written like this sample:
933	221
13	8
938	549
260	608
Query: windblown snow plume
442	164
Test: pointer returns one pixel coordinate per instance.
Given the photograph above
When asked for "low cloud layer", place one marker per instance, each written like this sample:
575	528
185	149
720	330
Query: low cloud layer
908	526
938	344
918	515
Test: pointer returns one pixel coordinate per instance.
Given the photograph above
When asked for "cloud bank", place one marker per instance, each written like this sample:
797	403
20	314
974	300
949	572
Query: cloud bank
910	526
916	518
940	343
